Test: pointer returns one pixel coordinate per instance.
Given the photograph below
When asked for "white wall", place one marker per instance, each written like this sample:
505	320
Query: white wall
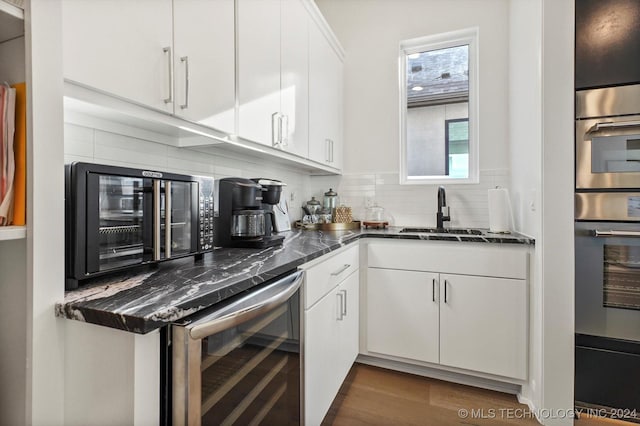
45	207
525	136
371	31
98	146
556	240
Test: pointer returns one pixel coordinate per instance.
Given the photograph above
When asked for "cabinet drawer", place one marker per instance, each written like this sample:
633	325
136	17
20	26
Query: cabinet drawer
458	258
323	276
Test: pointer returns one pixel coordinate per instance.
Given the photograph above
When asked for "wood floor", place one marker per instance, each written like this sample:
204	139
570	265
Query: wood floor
375	396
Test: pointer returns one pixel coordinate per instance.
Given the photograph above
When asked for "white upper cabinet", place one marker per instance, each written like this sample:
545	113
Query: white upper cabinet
273	73
325	100
258	68
204	62
294	83
121	47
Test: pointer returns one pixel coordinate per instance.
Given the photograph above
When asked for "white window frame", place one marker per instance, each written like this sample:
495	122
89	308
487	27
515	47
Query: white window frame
469	37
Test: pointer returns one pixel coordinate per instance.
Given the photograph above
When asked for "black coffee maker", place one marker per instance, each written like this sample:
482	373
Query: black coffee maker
271	191
241	220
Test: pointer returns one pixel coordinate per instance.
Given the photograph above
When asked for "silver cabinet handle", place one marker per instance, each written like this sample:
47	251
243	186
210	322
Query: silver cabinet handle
341	270
167	220
327	150
156	220
612	125
446	283
185	61
344	304
284	130
331	140
276	131
433	290
340	305
251	306
613	233
167	50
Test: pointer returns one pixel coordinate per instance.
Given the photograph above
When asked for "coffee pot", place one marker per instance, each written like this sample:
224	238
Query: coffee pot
241	217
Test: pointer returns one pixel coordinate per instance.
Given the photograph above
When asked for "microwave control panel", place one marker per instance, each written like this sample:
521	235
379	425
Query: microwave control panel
205	215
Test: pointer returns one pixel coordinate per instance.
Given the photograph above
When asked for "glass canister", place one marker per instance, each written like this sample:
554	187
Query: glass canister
330	200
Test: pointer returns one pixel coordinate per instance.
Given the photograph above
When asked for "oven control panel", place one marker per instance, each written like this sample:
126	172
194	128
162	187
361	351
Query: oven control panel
205	215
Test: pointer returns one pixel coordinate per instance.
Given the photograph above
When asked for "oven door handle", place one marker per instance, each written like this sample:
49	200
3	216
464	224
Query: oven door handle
614	125
613	233
251	306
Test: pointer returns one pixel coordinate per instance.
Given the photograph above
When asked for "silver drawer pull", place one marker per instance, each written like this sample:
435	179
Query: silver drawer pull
340	313
341	270
613	233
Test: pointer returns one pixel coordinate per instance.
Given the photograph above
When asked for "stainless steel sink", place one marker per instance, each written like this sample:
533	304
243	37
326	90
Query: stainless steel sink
460	231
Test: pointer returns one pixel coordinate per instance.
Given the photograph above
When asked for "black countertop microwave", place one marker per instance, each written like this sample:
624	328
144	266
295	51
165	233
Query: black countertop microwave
118	218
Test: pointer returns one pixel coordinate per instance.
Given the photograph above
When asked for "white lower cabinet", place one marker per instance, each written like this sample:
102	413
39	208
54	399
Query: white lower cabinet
331	330
483	324
402	314
477	323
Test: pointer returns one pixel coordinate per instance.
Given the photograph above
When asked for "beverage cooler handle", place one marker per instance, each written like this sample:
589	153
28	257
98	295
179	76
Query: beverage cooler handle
239	312
156	220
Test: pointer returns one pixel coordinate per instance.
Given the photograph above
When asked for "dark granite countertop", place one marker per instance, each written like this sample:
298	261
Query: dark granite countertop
148	298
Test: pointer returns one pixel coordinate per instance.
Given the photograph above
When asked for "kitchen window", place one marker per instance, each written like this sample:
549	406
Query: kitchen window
438	108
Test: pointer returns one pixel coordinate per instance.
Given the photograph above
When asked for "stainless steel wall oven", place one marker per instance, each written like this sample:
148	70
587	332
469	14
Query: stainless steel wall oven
238	363
607	247
118	218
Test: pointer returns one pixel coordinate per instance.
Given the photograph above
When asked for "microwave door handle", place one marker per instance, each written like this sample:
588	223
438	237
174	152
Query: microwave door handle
167	220
156	220
615	125
264	303
613	233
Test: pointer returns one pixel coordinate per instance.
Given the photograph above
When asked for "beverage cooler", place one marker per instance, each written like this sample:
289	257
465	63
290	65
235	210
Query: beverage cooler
238	363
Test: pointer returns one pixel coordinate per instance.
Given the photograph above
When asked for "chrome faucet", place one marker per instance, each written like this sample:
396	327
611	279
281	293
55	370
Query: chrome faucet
443	211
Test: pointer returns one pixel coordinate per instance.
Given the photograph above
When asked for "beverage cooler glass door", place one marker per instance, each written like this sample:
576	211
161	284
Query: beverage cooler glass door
116	221
240	364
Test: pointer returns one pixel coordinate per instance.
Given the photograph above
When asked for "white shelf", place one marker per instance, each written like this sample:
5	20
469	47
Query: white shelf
11	21
13	233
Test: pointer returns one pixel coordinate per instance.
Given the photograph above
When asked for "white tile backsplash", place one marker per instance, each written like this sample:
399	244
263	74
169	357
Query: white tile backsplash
414	205
99	146
405	205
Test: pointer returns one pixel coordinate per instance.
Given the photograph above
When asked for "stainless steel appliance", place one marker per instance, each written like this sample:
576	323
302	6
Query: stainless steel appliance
239	363
118	218
608	138
607	248
241	216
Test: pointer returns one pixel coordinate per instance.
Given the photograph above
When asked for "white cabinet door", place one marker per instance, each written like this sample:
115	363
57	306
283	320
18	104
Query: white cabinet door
483	324
295	77
348	325
258	52
402	314
321	346
325	100
122	47
204	62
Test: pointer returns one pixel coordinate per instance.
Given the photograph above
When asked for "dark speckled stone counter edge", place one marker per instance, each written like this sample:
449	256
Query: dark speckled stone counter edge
146	299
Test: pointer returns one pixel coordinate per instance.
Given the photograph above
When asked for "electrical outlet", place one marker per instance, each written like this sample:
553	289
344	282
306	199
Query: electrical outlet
368	202
292	197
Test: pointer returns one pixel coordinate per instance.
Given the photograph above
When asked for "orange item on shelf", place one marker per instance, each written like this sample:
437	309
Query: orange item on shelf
20	156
